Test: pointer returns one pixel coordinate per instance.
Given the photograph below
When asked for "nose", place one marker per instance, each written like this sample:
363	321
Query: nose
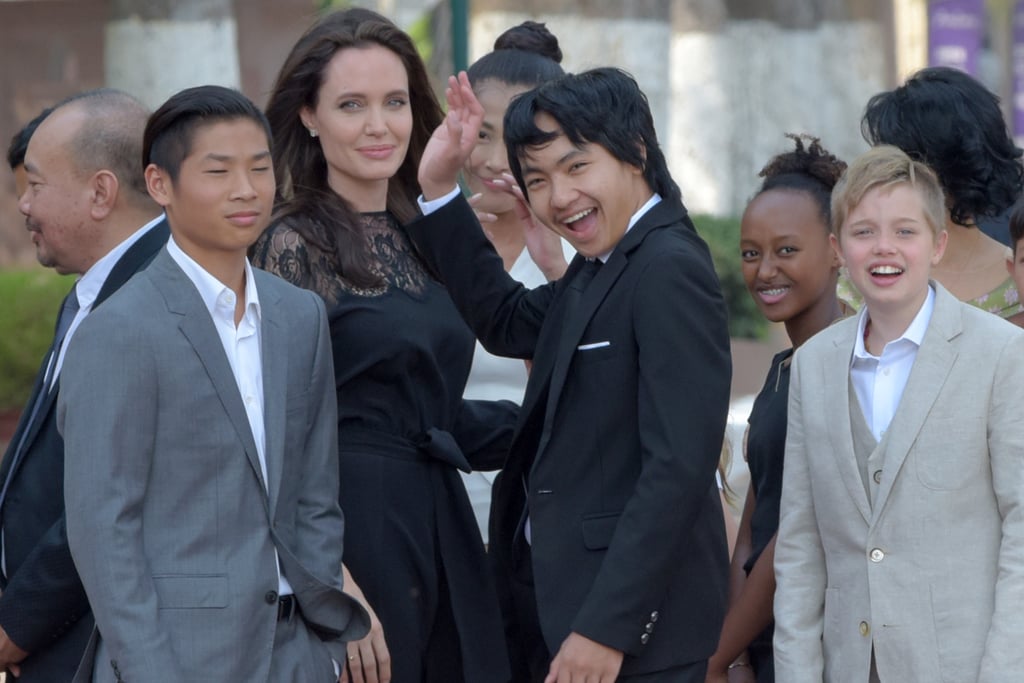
883	243
374	121
497	159
244	187
766	267
562	194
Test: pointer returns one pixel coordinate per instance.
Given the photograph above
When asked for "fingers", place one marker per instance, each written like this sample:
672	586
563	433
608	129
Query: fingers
383	658
481	215
354	665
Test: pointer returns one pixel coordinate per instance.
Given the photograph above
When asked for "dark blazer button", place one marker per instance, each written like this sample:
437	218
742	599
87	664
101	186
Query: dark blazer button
271	597
654	616
644	638
649	628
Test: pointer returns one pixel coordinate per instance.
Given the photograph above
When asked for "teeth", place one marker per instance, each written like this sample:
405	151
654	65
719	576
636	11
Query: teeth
575	217
774	292
886	270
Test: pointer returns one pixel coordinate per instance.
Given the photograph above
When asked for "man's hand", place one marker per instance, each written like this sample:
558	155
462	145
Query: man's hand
10	654
582	660
452	141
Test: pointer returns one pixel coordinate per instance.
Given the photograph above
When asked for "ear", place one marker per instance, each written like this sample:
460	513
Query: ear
940	247
308	118
837	252
103	195
159	185
1009	265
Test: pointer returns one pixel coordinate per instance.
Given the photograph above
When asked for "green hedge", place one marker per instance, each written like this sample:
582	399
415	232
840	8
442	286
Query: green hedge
723	238
29	302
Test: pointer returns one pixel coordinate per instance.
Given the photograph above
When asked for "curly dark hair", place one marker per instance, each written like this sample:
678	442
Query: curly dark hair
808	168
306	201
952	123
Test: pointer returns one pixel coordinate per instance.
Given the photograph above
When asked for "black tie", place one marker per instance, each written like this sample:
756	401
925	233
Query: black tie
67	313
575	289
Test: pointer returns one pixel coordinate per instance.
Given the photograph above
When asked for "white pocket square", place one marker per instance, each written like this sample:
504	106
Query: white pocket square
595	345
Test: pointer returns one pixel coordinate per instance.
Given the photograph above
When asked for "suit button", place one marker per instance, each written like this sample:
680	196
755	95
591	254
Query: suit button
271	597
649	628
877	476
877	555
864	628
654	616
644	638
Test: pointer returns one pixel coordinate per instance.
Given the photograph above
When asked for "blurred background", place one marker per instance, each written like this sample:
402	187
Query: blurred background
725	78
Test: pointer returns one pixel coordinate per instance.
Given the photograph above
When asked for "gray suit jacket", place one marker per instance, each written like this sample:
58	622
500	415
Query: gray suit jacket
932	574
170	524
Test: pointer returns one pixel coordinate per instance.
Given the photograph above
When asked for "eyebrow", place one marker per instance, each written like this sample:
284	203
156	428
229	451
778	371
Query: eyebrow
228	157
561	160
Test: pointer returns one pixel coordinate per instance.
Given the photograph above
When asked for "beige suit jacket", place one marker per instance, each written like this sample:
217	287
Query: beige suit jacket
932	575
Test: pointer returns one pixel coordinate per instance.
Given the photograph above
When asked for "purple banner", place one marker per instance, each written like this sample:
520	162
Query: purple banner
1018	70
955	31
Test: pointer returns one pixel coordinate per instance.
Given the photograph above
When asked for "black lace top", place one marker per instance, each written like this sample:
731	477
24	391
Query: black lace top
401	351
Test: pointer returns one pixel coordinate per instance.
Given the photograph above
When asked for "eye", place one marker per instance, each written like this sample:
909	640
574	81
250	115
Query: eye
788	251
906	232
534	182
349	105
397	102
577	166
216	171
261	169
749	254
483	136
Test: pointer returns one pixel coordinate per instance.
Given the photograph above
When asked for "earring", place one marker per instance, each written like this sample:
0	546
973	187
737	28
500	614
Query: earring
312	132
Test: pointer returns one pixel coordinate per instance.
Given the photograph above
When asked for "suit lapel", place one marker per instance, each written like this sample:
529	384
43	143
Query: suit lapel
274	352
836	369
182	298
927	376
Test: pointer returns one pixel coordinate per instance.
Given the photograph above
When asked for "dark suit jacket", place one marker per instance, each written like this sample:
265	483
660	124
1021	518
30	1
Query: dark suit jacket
43	607
618	442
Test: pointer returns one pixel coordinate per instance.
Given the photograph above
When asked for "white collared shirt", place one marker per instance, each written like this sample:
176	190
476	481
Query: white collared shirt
242	345
90	284
879	381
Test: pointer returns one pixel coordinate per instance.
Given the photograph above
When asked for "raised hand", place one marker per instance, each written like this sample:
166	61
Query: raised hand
452	142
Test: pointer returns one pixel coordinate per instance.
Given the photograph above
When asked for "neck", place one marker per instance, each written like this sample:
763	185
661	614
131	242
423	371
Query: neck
364	196
888	324
823	313
507	236
962	246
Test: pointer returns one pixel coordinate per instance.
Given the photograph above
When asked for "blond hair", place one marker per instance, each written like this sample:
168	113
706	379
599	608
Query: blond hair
885	166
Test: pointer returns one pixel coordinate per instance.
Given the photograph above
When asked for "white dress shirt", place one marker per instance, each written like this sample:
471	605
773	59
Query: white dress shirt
242	345
879	381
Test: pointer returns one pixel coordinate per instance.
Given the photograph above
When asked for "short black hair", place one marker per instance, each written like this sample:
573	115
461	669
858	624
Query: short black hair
19	141
808	168
952	123
603	106
167	140
1017	225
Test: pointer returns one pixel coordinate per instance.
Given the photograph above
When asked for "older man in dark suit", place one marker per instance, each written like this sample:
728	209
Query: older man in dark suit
607	522
88	212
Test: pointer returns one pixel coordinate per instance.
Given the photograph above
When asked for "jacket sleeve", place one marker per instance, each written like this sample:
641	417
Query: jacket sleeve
107	472
504	315
800	574
45	597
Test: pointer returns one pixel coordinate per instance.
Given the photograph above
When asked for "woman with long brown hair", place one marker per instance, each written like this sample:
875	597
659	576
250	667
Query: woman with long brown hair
351	112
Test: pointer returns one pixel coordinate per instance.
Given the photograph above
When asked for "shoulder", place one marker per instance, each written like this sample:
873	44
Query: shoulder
839	333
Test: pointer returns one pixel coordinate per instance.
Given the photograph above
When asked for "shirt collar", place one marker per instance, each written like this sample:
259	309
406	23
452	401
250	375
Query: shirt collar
914	333
212	290
648	205
91	282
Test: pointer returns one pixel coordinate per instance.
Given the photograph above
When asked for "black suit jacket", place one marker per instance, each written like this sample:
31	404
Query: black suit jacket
619	435
43	607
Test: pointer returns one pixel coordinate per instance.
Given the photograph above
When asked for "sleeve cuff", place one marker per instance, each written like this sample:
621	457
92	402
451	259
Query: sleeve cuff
429	207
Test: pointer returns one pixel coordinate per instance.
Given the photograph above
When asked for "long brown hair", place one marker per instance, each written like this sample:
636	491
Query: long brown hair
305	200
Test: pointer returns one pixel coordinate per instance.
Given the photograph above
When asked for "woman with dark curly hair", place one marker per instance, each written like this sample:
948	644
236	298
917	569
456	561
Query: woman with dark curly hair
351	113
790	269
952	123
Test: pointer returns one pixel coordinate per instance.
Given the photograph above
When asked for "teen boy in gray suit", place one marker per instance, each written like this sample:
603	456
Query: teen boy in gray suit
200	438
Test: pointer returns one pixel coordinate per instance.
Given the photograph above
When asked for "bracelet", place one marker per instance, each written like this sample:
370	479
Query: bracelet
738	664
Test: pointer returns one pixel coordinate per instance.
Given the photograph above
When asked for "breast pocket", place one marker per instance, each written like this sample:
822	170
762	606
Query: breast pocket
594	352
952	453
